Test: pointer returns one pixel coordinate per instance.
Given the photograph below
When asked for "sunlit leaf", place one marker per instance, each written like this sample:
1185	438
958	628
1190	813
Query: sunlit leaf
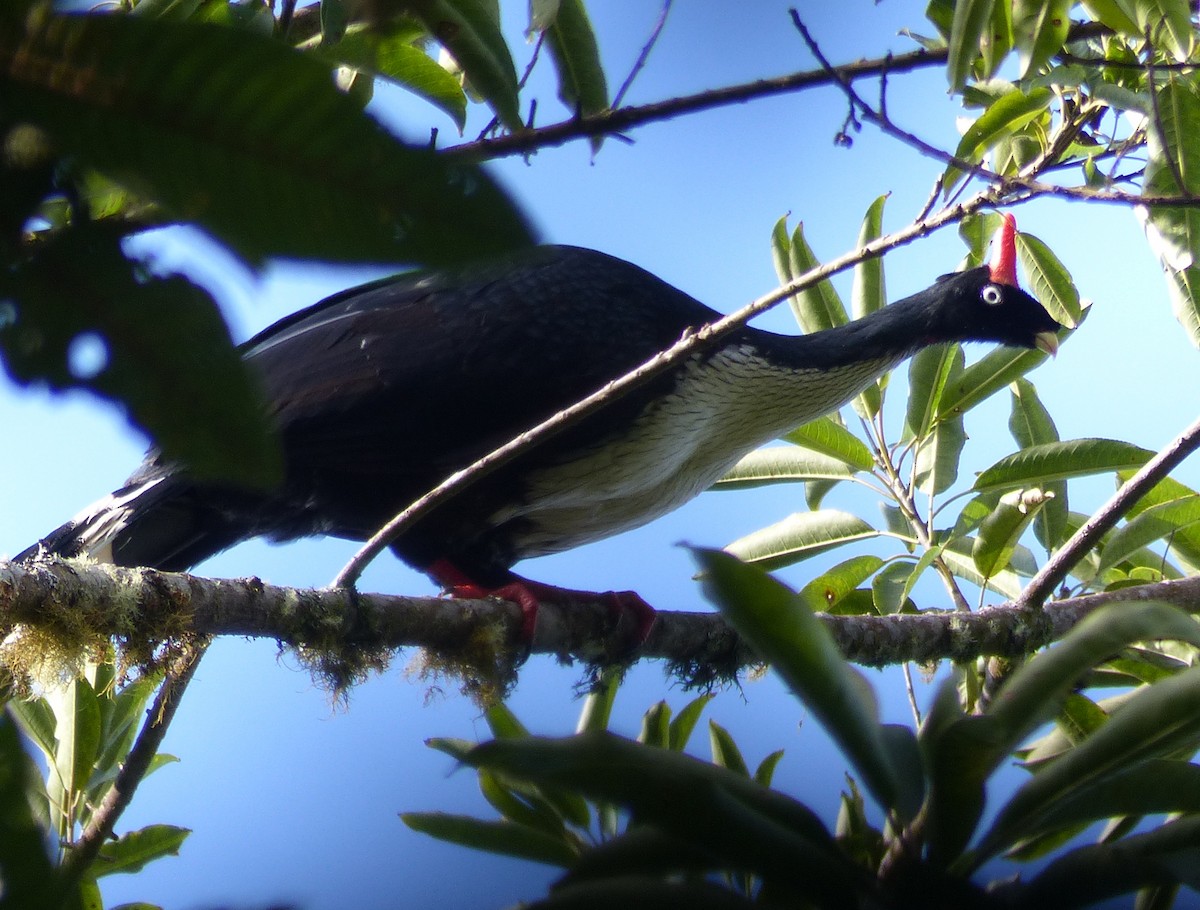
1158	522
999	534
818	307
1060	460
970	21
1003	117
825	591
685	721
130	852
799	536
470	31
1031	424
572	42
1039	31
777	464
1049	280
725	751
827	437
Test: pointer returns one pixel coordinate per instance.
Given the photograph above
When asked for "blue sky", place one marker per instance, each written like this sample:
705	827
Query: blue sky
294	799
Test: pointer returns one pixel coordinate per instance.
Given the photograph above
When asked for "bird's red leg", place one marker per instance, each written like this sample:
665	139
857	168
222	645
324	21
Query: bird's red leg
528	594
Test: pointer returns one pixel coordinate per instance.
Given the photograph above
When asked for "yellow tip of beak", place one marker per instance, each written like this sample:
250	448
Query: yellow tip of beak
1046	341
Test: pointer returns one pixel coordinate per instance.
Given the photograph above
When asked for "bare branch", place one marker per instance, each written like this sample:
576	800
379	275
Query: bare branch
622	119
98	596
645	54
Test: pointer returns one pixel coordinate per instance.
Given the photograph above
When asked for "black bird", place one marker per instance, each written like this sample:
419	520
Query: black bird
382	391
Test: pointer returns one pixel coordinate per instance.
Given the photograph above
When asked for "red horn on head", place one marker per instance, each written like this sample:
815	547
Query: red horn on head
1004	252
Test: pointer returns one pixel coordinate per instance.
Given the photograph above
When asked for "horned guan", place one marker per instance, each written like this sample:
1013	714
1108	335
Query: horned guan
382	391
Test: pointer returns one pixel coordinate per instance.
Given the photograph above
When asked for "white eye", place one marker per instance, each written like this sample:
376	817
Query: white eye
991	294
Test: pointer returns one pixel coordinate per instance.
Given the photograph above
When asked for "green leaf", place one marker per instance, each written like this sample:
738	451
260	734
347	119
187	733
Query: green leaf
77	731
930	371
869	295
890	587
503	837
1173	154
999	534
800	536
334	18
939	454
962	752
1031	424
156	340
956	554
778	464
959	753
523	808
685	722
1111	13
740	823
1183	287
725	751
470	31
656	726
1003	118
1155	523
572	43
131	852
503	723
827	437
827	590
389	52
1088	875
765	772
35	717
1039	31
597	706
30	882
161	106
1049	280
1169	22
783	631
1040	464
1155	722
818	307
967	29
1186	540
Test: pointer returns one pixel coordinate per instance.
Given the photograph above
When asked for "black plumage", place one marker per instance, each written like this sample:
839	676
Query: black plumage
382	391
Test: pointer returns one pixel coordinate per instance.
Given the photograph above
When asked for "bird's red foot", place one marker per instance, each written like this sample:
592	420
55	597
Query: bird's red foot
528	595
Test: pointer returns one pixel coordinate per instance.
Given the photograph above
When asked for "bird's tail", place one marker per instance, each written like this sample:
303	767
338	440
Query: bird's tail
162	521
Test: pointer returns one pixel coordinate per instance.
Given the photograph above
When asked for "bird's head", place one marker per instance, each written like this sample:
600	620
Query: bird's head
987	303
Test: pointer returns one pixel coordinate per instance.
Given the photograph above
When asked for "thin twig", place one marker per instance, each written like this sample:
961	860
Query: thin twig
880	119
644	55
1082	541
690	344
158	718
620	120
912	694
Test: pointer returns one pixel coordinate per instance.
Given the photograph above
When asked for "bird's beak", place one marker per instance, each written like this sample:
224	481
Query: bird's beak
1046	341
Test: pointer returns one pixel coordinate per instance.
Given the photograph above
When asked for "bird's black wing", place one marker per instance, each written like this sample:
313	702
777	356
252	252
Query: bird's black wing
382	392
